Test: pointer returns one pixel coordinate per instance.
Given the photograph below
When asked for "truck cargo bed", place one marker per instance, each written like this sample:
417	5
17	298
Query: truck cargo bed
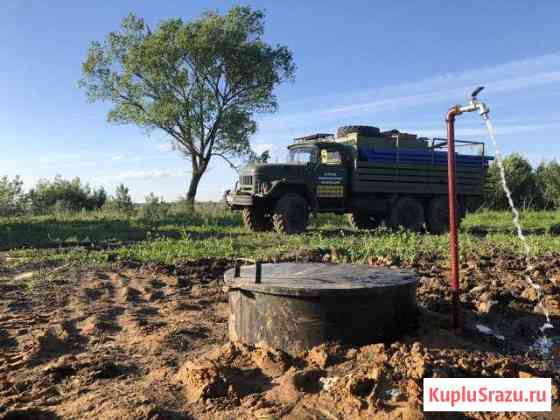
416	172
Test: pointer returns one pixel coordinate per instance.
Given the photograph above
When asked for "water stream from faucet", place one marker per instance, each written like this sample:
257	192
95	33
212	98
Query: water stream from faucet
543	344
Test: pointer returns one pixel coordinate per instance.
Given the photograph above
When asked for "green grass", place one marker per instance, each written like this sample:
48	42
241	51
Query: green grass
501	221
219	234
101	228
399	247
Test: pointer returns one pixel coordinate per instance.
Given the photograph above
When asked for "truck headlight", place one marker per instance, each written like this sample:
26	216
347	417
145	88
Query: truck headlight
264	187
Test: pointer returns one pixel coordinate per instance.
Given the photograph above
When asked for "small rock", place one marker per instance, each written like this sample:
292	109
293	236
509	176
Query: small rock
416	348
552	304
197	291
530	294
201	380
272	362
24	276
478	289
351	353
328	383
486	306
318	355
285	390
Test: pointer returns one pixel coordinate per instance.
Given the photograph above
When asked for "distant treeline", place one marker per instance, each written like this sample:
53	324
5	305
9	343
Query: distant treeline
532	188
63	196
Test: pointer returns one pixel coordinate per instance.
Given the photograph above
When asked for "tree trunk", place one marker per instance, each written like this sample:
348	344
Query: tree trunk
193	187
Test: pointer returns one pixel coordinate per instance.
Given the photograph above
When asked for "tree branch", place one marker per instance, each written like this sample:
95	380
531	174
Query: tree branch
229	162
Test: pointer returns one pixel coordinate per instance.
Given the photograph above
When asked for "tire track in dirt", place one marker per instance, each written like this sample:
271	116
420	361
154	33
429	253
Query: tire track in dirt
127	328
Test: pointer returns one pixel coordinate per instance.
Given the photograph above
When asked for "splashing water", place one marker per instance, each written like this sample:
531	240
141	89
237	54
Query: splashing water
543	344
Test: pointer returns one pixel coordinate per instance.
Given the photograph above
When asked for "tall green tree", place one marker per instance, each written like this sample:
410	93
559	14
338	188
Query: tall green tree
12	197
122	200
201	81
521	180
548	179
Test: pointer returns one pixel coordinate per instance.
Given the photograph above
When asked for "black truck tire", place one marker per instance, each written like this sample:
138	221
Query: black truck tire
438	215
256	220
408	213
291	214
364	130
359	220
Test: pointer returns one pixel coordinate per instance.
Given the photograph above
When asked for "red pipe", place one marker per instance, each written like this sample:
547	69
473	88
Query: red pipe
454	111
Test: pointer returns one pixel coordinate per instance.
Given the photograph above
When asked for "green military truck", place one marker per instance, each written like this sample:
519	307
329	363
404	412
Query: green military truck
372	176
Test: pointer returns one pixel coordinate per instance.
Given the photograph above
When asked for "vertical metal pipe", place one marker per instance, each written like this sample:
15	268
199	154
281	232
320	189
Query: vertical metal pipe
453	215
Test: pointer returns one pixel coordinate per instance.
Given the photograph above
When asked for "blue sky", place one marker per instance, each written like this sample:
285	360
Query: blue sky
390	64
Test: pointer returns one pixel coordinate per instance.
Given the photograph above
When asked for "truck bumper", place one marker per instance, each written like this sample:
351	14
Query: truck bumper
237	201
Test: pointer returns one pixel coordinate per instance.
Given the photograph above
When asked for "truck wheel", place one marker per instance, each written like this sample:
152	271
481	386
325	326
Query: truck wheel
407	212
438	215
256	220
360	220
290	214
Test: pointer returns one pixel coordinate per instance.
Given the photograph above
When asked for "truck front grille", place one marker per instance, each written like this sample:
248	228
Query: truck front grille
246	180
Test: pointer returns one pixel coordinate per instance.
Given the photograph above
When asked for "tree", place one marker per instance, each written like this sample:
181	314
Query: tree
98	199
548	179
264	157
200	82
60	194
122	200
155	208
12	197
521	181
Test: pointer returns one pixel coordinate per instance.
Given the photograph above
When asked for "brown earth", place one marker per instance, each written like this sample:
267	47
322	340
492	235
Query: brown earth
150	342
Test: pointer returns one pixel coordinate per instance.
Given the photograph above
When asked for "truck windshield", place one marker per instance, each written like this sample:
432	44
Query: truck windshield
302	155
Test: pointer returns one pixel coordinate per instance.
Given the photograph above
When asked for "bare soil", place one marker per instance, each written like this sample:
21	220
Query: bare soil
150	342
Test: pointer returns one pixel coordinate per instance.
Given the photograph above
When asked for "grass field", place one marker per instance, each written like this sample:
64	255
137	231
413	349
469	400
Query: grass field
98	237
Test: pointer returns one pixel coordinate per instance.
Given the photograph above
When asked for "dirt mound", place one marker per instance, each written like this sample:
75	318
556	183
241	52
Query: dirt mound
202	381
150	342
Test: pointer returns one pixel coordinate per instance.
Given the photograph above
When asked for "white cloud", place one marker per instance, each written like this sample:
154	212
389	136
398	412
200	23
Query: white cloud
501	130
504	78
165	147
142	175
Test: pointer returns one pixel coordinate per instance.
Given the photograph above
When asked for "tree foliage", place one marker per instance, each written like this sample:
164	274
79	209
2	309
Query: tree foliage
63	195
548	178
521	180
12	198
199	81
155	208
122	201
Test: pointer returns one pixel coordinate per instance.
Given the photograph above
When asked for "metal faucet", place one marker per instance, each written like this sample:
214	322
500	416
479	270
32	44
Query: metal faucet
475	105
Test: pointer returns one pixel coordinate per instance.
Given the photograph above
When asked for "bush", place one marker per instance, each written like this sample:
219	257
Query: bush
521	180
121	201
548	180
12	197
155	208
63	195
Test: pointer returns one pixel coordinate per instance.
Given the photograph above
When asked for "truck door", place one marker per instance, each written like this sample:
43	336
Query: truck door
332	179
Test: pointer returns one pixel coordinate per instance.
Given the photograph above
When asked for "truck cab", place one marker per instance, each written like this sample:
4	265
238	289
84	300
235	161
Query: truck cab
328	171
281	195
